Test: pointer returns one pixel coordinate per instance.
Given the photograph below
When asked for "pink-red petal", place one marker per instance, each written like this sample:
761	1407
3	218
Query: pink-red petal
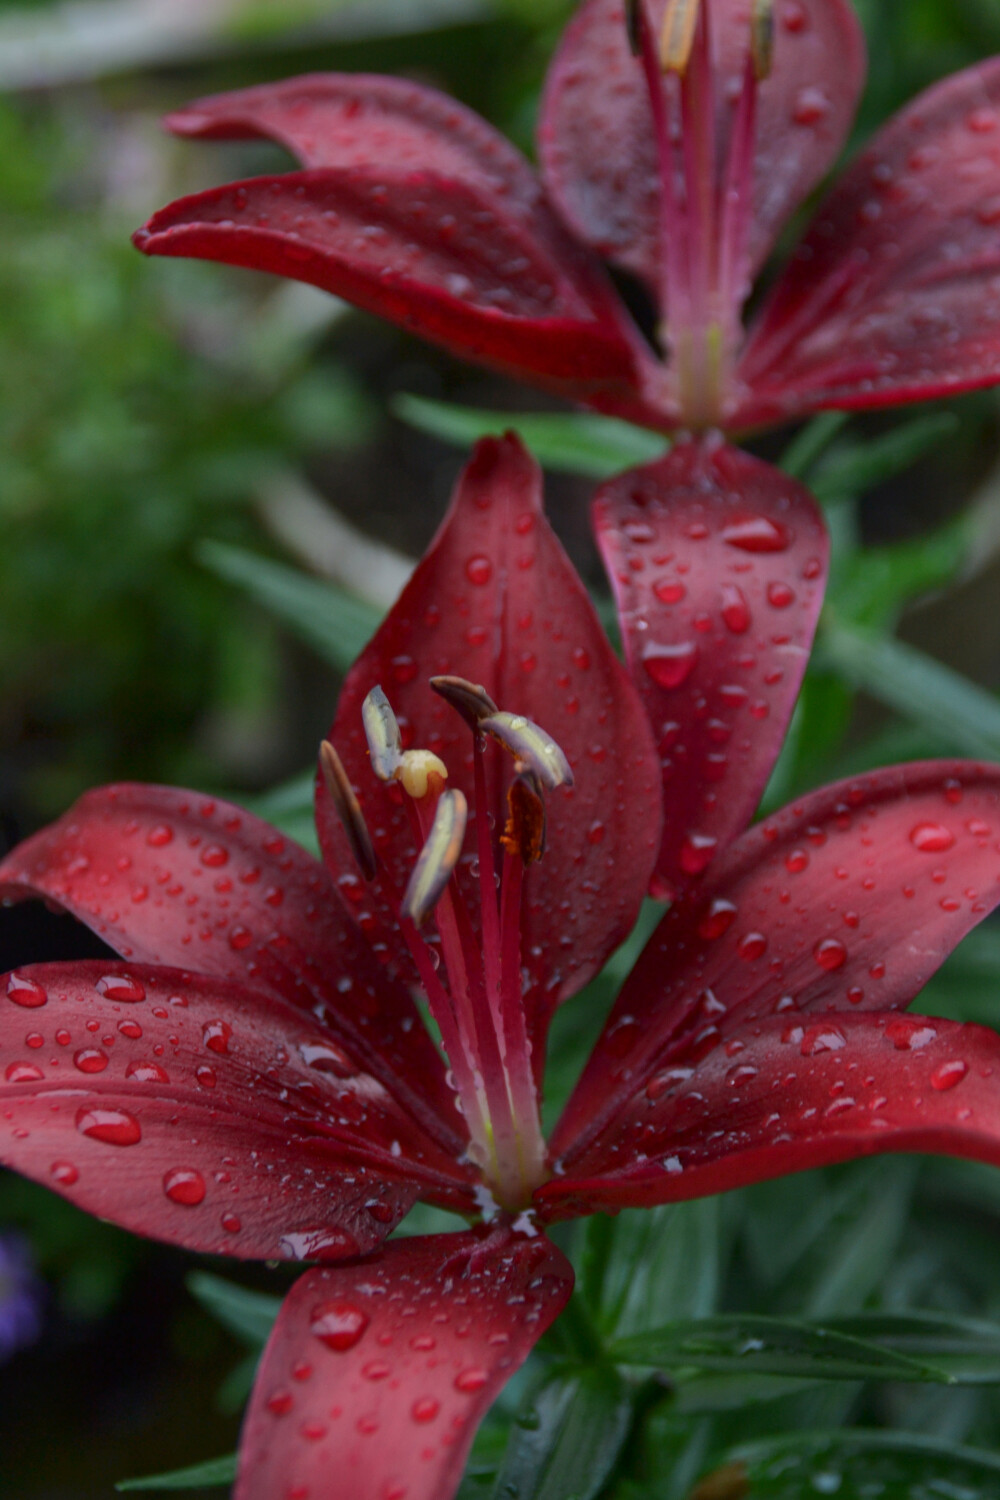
377	1375
447	258
596	92
201	1112
846	901
496	600
894	294
366	120
799	1093
167	876
718	563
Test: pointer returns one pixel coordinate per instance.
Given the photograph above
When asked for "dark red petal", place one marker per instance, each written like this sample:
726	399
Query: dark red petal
496	600
204	1113
848	900
363	119
796	1095
446	258
167	876
596	92
894	294
377	1375
718	563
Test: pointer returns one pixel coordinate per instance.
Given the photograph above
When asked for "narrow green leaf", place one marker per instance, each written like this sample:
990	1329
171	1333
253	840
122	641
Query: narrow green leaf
968	1349
335	623
664	1266
876	582
857	1464
250	1315
772	1346
812	440
961	717
216	1471
574	442
566	1442
857	466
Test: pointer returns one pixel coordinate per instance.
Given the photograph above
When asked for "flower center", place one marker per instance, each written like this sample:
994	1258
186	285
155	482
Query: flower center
472	977
706	198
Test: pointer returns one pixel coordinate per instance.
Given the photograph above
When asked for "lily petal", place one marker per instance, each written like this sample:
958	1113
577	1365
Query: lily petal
796	1095
495	600
894	294
718	563
595	91
203	1113
848	900
377	1375
167	876
447	258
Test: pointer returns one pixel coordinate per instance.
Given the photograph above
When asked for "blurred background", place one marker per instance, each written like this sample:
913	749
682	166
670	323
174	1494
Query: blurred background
210	486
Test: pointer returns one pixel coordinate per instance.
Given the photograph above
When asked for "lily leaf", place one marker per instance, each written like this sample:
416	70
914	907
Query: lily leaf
249	1315
574	442
335	623
567	1440
778	1346
216	1471
856	466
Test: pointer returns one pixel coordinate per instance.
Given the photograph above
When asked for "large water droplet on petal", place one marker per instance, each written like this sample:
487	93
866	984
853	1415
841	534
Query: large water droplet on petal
184	1185
120	987
931	838
756	534
116	1127
26	992
670	666
338	1325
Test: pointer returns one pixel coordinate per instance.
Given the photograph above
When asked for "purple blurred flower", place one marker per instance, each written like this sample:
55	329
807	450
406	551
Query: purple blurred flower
20	1297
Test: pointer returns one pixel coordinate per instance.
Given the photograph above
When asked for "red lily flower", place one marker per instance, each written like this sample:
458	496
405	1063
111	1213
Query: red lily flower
253	1077
680	165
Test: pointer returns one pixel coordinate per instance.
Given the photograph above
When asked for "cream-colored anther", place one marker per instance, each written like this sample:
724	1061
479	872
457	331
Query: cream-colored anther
382	734
438	857
415	769
531	747
762	38
677	35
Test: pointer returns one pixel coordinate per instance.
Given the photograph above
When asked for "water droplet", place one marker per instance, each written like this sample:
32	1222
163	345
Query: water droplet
116	1127
147	1072
216	1035
206	1076
780	595
756	534
338	1325
214	856
742	1073
948	1074
120	987
90	1060
796	861
240	937
752	945
811	105
717	919
26	992
185	1186
931	838
231	1223
479	570
830	954
404	669
824	1037
471	1380
697	851
670	666
160	836
325	1057
425	1409
280	1404
735	610
908	1034
64	1173
669	591
23	1072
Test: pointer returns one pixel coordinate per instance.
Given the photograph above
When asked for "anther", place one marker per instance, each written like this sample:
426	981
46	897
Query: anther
382	733
531	746
677	35
633	24
437	858
350	814
762	38
524	830
470	699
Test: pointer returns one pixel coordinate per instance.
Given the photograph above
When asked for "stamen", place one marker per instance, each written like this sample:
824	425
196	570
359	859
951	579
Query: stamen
524	831
677	35
420	772
633	24
348	810
385	744
470	699
530	744
438	857
762	38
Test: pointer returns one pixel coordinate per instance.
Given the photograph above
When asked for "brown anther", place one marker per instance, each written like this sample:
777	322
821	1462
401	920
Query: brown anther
677	35
530	744
437	858
348	810
633	25
382	733
762	38
470	699
524	830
